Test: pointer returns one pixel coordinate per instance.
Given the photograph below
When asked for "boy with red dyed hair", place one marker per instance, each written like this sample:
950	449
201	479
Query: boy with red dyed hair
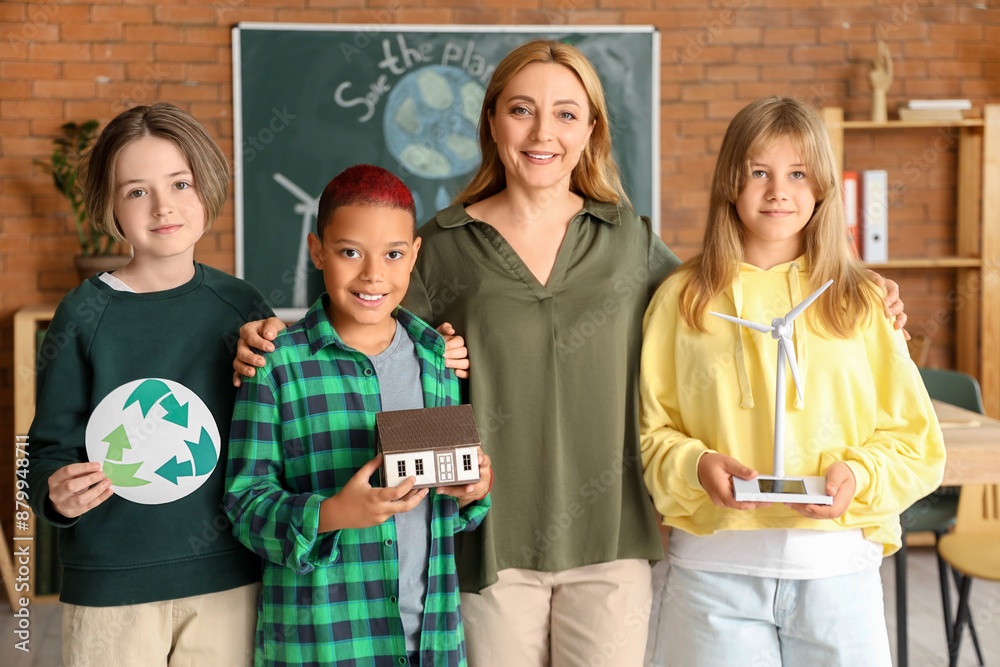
353	574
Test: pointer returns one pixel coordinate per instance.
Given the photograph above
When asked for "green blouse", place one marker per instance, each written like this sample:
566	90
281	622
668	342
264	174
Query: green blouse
554	384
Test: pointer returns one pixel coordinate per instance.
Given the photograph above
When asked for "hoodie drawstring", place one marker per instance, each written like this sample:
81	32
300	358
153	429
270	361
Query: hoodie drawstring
799	340
746	392
799	333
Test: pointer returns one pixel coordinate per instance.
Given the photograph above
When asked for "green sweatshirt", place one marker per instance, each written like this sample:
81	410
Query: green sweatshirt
143	383
863	403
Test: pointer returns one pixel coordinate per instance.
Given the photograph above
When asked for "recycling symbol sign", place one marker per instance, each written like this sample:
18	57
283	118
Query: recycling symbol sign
156	439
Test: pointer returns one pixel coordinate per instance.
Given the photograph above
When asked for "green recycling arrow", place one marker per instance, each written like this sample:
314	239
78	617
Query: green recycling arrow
176	413
203	453
123	474
147	394
117	443
171	470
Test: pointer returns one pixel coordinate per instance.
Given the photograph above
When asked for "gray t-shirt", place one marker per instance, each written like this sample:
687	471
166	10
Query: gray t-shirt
398	372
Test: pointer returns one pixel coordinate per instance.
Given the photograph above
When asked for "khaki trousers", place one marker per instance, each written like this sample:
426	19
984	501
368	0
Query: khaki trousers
216	629
591	616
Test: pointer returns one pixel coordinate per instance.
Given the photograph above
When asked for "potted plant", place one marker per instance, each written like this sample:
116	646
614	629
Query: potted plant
96	247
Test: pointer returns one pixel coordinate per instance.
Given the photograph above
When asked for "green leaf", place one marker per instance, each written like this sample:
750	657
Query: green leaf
69	147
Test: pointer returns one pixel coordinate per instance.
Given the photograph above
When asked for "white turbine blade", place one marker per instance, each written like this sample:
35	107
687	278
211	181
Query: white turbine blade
763	328
797	310
299	193
786	343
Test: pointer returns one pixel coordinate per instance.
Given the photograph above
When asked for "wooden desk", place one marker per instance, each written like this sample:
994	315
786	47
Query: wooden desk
972	441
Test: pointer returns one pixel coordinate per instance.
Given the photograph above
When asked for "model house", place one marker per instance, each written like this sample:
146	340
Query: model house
438	446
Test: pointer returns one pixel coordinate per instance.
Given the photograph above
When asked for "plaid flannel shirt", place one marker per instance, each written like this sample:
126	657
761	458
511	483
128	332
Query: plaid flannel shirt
301	428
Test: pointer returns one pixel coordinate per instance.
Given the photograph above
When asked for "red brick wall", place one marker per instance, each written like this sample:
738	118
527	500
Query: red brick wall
64	61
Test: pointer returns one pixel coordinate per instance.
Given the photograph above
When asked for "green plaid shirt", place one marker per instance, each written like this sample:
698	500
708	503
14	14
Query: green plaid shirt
301	428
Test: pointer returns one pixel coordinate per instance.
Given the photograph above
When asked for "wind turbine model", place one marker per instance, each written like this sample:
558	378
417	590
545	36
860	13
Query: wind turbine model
309	208
778	488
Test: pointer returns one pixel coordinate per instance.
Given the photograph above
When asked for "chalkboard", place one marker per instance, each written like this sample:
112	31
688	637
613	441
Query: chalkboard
310	100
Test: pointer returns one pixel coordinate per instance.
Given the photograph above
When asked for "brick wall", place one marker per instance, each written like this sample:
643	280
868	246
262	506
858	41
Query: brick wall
64	61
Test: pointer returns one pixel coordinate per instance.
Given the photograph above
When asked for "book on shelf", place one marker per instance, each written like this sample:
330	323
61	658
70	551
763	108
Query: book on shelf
850	182
875	216
905	113
960	105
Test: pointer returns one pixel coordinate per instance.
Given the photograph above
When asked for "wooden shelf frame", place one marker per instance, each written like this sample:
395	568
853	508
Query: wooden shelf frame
27	322
901	124
977	234
929	263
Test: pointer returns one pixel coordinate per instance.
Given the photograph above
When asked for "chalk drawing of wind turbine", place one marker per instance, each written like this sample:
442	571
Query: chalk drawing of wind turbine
777	487
308	207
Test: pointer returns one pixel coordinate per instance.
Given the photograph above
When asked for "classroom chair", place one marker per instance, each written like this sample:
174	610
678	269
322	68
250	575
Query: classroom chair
936	512
973	551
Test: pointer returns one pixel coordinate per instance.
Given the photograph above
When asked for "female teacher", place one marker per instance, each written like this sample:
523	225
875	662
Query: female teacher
545	270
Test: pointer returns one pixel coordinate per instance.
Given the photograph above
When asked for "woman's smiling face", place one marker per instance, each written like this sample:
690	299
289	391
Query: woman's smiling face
541	125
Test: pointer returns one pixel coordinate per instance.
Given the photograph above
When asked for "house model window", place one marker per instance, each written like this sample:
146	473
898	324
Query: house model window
446	438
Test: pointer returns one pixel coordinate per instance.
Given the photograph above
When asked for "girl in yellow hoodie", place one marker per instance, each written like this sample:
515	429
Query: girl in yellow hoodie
778	584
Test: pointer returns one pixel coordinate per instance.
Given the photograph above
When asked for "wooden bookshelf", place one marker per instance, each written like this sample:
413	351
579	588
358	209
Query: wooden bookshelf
27	322
977	234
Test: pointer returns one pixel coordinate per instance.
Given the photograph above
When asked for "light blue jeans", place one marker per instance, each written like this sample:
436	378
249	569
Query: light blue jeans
710	619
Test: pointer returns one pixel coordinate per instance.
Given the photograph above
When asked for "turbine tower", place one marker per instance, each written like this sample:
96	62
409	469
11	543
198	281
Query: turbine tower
308	207
781	330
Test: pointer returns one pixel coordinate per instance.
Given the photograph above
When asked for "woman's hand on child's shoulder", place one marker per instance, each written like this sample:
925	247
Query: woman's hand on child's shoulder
456	355
841	484
893	304
78	488
716	472
468	493
361	505
256	335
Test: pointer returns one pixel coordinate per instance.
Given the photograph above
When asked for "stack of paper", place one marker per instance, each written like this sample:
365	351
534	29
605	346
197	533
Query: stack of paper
961	105
934	109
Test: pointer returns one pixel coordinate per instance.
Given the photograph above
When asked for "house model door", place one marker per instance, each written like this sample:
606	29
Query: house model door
446	467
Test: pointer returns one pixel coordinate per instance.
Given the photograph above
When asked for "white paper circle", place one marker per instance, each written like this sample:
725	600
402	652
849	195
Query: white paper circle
156	439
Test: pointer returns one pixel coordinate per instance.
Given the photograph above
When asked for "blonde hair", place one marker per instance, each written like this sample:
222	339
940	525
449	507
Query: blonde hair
753	131
165	121
596	174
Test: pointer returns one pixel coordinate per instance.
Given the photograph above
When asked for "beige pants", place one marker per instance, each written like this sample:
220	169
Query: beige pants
215	629
592	616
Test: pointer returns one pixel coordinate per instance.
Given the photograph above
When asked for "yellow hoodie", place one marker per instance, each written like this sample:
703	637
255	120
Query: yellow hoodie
864	404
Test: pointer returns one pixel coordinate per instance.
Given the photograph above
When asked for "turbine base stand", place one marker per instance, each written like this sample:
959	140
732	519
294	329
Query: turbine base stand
771	489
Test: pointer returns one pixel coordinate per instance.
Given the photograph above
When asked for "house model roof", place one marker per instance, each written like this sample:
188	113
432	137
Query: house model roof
400	431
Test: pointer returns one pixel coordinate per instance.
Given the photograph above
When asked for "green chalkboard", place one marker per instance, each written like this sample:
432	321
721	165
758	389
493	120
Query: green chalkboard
311	100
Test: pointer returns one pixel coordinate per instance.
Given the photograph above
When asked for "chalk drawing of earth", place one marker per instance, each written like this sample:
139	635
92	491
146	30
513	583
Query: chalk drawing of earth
156	440
430	123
